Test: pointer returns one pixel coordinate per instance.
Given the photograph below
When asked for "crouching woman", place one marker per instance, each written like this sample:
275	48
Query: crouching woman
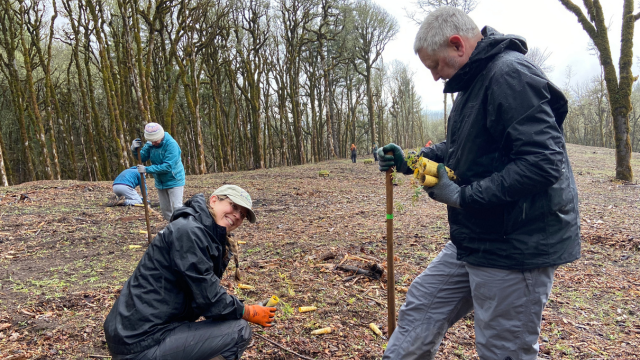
178	280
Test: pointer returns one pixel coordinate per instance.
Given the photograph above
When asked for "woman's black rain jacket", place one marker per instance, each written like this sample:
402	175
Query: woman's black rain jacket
177	280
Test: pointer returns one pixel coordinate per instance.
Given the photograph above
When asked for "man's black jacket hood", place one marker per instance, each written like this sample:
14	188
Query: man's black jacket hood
492	44
176	281
505	143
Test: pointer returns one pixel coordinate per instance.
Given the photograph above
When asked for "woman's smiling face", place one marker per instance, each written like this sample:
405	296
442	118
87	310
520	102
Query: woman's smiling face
227	213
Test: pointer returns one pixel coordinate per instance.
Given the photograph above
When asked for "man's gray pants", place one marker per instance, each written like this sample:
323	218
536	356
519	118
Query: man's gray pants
508	308
130	194
170	199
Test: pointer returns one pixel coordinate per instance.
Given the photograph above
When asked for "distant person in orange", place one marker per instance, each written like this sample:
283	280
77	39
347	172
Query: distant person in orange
353	153
428	144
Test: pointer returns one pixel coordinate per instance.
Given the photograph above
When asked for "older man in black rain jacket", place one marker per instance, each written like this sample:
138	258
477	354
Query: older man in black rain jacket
513	212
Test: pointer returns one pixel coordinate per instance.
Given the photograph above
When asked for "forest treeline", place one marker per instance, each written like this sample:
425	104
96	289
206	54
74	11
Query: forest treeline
240	84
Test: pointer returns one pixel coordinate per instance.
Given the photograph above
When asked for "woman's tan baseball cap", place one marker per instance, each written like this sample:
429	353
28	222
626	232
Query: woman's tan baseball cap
239	196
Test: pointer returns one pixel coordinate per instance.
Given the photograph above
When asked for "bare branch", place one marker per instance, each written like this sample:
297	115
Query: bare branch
586	24
424	7
539	58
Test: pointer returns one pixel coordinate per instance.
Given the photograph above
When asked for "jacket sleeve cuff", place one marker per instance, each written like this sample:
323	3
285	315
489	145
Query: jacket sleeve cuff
407	170
464	201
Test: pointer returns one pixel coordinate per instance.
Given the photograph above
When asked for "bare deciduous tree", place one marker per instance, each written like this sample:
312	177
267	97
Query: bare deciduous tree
539	58
619	88
424	7
374	28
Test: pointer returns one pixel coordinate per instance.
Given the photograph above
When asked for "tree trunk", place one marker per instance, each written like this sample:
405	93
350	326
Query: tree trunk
109	88
49	91
105	171
327	108
143	89
86	117
39	128
222	136
18	106
190	88
619	92
371	115
622	144
67	127
135	80
7	167
3	173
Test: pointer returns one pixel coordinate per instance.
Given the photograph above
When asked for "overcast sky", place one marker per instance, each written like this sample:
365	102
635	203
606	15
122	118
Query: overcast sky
545	24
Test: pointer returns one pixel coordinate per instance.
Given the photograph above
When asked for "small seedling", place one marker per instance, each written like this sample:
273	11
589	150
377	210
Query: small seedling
286	309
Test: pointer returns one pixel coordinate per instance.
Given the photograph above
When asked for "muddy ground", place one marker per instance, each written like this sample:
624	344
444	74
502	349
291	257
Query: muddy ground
64	256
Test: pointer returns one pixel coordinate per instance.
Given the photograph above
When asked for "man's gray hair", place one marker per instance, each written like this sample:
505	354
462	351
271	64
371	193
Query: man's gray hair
440	25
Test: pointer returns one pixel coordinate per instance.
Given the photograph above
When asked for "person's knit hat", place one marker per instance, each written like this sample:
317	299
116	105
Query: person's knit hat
239	196
153	132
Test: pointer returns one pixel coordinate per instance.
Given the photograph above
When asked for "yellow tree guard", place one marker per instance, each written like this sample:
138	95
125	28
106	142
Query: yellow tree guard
326	330
426	172
375	329
307	308
273	301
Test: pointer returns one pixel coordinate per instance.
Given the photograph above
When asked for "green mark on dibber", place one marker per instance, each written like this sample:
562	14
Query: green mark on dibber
389	216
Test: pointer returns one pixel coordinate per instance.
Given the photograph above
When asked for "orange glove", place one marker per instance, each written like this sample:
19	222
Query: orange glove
260	315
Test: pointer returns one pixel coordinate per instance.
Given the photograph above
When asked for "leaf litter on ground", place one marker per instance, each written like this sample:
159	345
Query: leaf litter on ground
64	257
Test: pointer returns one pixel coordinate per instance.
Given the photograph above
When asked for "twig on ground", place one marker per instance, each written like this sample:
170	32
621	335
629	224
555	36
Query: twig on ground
374	271
359	258
282	347
356	278
100	356
346	256
377	301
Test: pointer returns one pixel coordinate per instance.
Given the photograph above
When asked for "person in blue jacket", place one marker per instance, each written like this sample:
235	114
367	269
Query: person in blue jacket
124	188
166	166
